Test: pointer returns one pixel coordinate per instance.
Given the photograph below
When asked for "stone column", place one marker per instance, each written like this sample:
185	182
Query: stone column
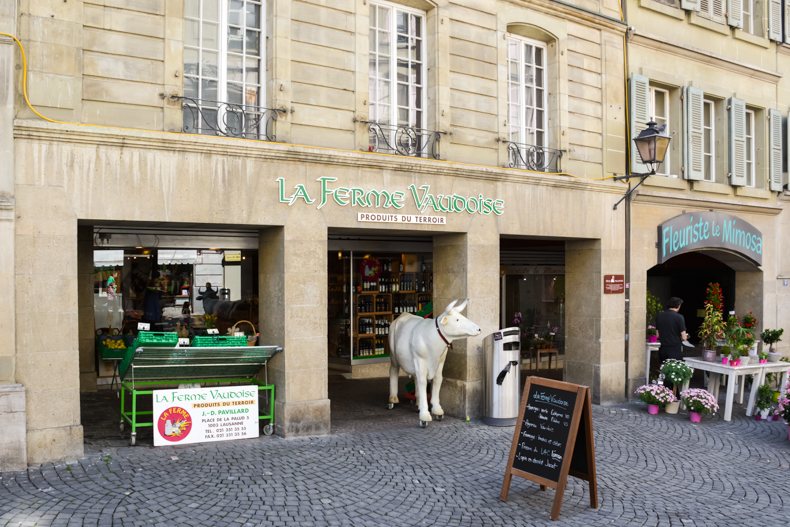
86	330
8	78
594	321
293	307
467	266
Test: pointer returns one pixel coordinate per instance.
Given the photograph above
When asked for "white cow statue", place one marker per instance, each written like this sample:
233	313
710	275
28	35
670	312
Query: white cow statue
419	346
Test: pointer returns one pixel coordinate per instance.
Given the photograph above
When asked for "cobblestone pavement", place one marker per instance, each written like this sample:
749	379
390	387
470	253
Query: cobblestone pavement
378	468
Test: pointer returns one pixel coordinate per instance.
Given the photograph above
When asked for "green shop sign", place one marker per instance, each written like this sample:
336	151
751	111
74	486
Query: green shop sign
325	191
709	230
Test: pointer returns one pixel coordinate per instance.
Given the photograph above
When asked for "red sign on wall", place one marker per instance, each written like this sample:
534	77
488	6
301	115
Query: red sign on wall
613	284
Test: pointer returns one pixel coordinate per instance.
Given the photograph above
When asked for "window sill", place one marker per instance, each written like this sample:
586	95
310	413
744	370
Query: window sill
664	9
751	192
763	42
713	188
666	182
718	27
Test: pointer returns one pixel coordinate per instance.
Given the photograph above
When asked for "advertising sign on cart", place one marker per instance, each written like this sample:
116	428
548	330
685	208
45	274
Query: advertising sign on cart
197	415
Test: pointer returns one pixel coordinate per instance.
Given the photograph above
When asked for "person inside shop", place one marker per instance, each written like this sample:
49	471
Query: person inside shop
671	328
209	297
152	302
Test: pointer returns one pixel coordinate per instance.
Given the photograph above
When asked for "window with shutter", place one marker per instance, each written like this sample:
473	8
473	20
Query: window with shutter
787	22
639	92
775	140
739	14
693	134
737	151
712	9
659	112
775	20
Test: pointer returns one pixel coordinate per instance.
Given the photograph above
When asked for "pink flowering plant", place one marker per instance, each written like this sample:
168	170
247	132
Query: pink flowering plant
783	404
655	394
699	400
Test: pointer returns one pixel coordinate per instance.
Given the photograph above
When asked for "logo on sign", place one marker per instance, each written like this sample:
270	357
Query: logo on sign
174	424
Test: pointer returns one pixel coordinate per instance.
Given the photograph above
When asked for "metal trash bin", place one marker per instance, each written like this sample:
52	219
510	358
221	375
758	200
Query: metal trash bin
503	376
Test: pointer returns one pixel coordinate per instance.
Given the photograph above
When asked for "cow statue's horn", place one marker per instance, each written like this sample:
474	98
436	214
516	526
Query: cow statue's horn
462	306
451	305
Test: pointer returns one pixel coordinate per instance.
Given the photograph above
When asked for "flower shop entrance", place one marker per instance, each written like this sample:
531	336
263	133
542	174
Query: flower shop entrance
687	276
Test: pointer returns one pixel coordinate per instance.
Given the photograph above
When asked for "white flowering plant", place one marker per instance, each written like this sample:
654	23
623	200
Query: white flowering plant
699	400
676	371
655	394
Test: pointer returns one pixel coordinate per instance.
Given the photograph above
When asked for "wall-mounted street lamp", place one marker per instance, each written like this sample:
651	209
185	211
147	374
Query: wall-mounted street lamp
652	145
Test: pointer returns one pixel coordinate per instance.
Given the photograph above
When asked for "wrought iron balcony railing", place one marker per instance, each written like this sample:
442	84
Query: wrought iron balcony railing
533	157
403	140
233	120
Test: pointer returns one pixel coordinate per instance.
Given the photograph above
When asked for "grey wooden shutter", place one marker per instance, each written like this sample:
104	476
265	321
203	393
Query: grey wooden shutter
735	13
737	150
693	134
775	140
639	95
718	10
787	21
775	20
689	5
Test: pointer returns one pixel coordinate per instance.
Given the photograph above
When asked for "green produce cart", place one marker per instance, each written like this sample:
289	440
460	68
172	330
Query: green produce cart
147	368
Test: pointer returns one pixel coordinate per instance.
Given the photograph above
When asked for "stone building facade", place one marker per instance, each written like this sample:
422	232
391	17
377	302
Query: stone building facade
123	119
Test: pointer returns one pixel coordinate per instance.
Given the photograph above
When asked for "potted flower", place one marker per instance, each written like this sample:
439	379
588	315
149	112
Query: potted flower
783	407
655	395
711	330
652	333
699	402
678	373
771	337
738	340
749	323
765	398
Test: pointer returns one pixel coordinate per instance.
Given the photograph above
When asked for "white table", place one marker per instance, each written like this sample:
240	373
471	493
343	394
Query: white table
717	369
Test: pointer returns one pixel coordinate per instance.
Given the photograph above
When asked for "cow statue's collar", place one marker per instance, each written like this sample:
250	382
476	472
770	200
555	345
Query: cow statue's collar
439	331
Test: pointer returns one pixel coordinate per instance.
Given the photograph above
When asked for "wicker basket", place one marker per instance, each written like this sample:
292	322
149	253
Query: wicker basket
252	340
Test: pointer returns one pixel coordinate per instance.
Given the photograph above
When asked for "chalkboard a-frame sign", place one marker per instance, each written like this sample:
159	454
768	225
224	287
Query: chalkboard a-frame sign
553	438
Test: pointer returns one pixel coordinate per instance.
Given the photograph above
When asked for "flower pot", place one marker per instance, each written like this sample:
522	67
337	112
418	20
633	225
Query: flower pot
695	417
652	409
773	356
652	338
725	360
758	417
709	355
672	408
765	414
763	361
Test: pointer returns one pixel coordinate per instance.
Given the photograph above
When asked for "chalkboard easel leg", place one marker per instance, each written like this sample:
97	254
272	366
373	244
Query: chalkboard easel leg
558	493
505	486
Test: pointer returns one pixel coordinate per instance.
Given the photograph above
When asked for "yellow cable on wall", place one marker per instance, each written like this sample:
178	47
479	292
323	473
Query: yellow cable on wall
24	82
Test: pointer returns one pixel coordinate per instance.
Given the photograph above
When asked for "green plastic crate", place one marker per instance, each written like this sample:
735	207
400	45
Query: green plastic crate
111	347
212	341
158	339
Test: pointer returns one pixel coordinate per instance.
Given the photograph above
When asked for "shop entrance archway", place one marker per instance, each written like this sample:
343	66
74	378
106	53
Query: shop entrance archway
687	276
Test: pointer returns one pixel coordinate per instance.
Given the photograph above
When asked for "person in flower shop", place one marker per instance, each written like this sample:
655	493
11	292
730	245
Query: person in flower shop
671	328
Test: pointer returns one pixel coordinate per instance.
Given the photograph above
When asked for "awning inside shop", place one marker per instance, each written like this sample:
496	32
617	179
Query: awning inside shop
176	257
